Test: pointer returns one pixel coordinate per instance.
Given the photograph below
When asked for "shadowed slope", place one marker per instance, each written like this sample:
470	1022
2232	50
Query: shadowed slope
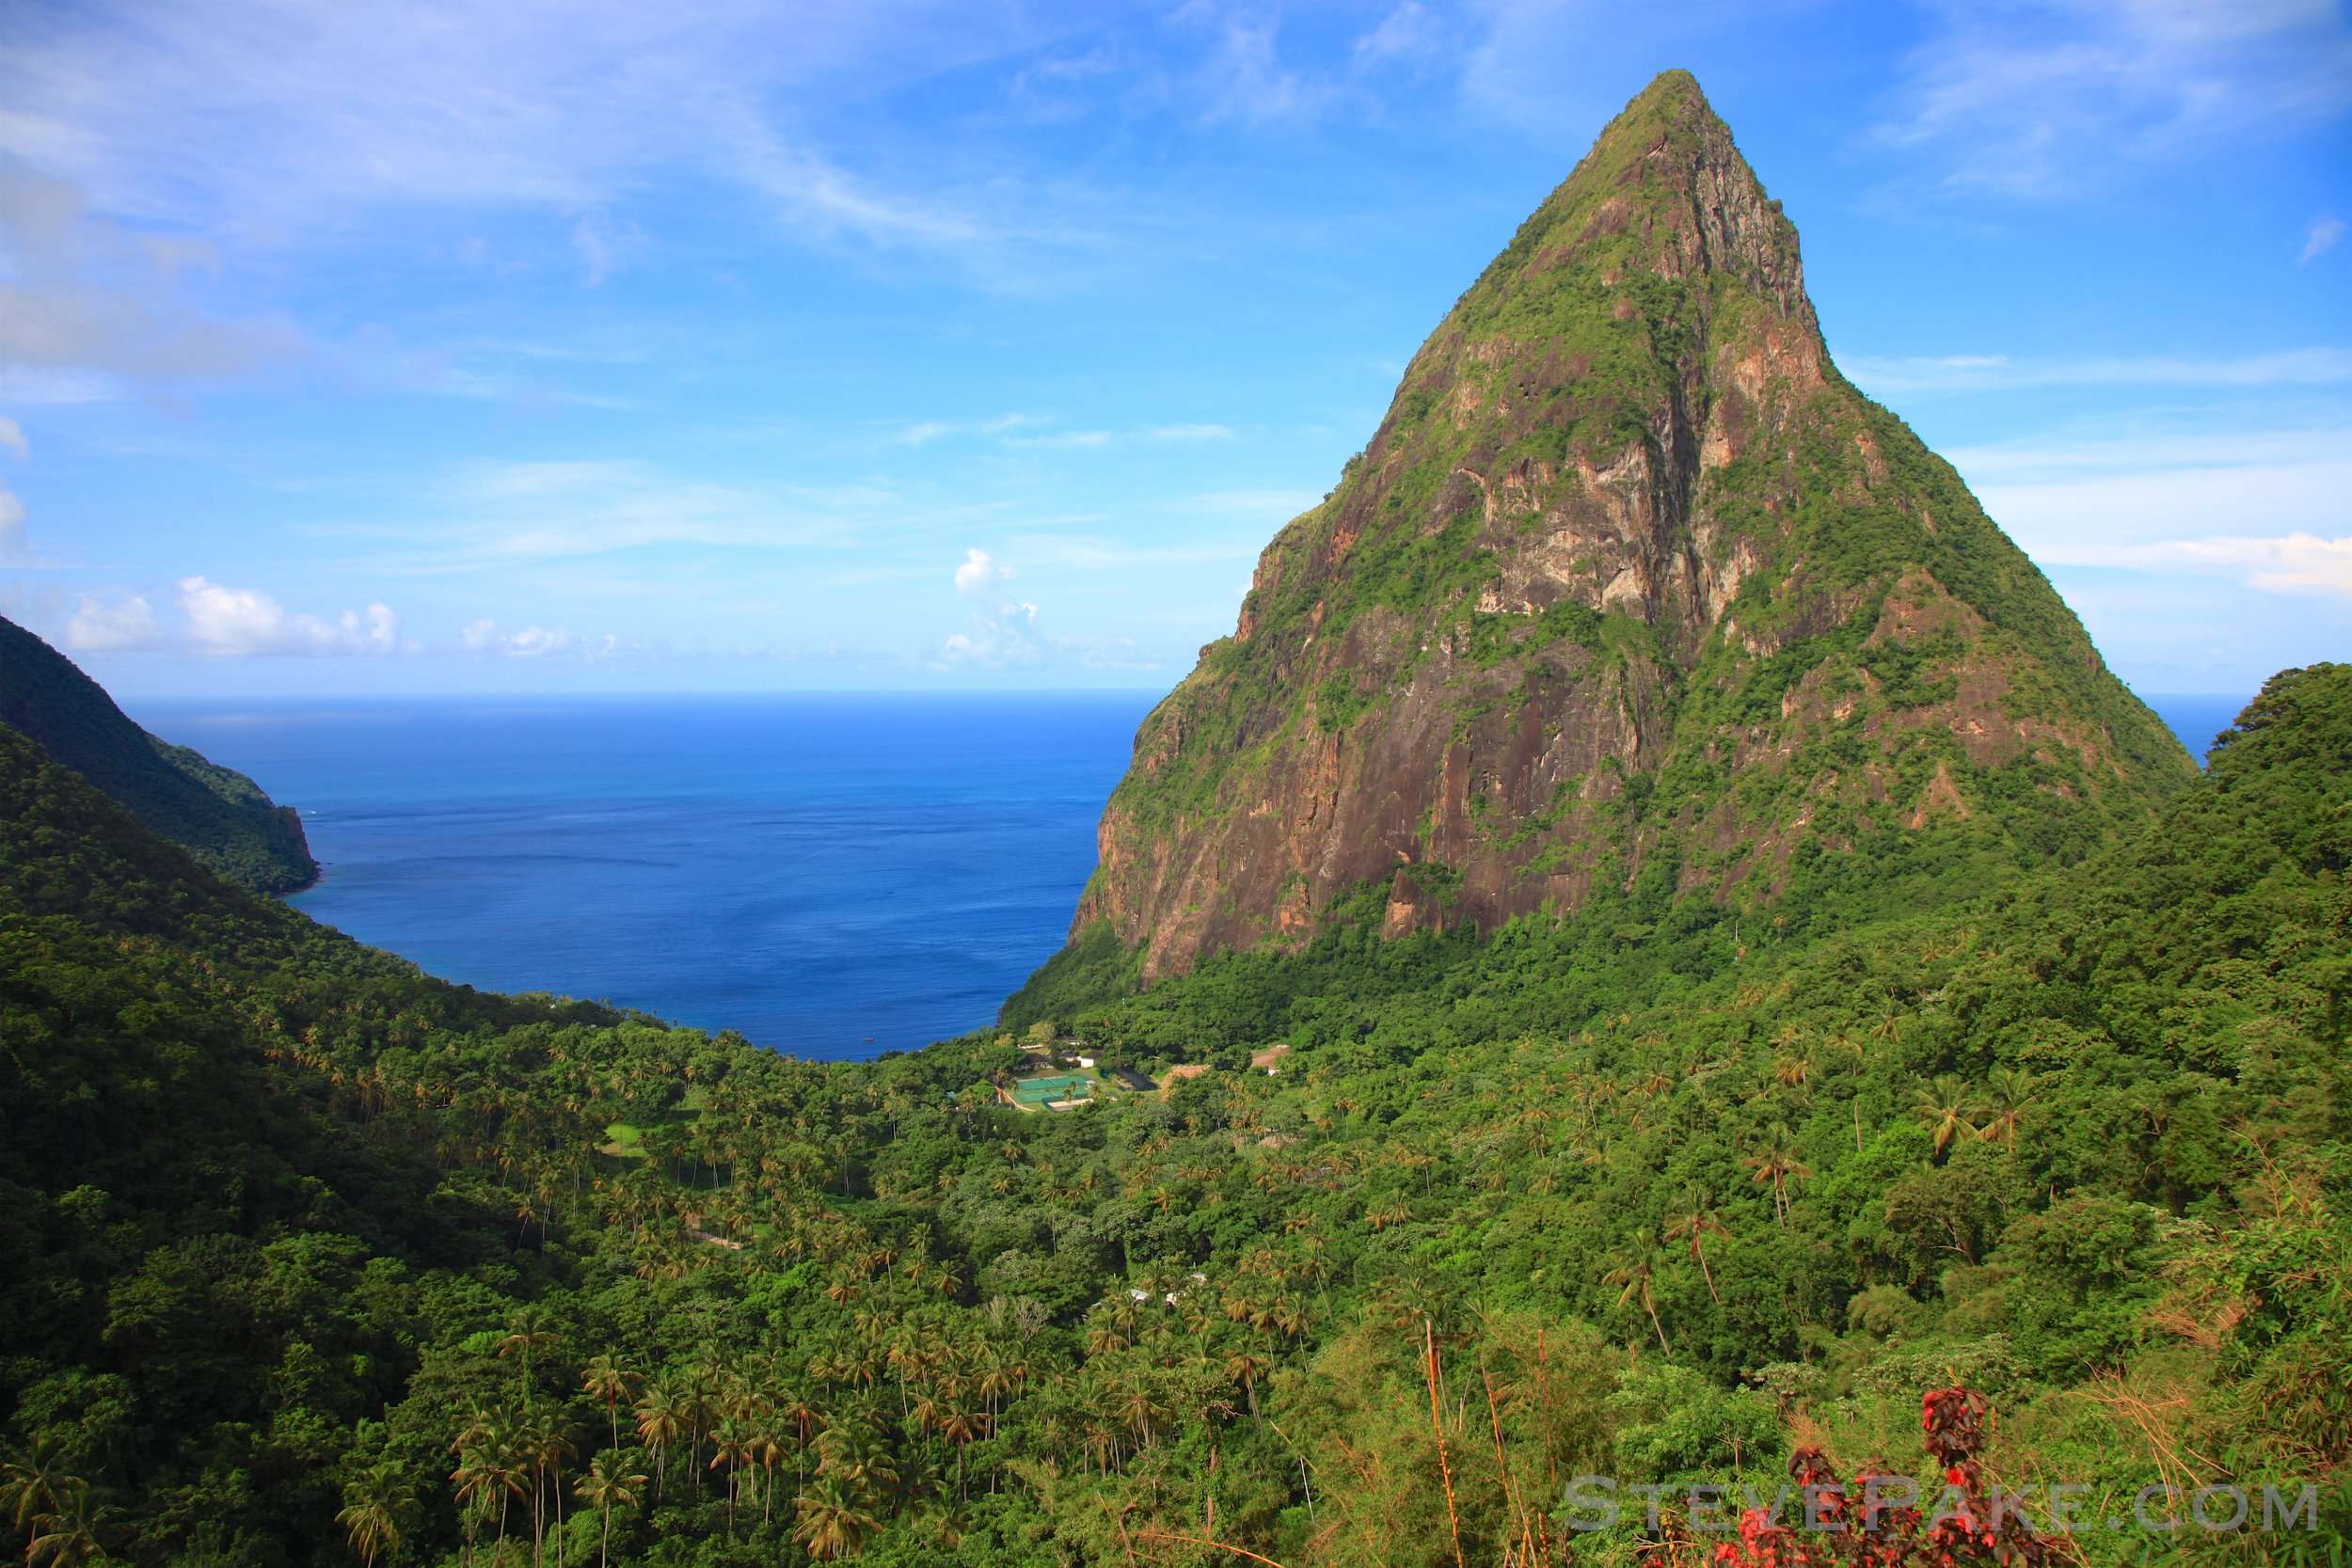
217	814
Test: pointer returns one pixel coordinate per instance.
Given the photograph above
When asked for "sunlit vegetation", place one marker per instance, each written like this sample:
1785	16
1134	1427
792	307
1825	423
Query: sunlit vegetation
312	1258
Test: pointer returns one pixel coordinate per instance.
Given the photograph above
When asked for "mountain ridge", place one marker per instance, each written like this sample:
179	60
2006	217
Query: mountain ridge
217	813
1628	579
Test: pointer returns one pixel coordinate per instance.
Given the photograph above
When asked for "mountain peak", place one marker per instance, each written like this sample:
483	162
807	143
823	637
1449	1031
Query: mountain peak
1629	583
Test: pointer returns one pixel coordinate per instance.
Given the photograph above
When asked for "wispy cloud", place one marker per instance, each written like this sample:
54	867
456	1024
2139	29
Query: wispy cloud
486	637
1006	429
605	246
1187	434
2040	96
497	516
12	545
1063	441
2291	563
85	301
2301	367
570	106
2322	239
932	429
2267	507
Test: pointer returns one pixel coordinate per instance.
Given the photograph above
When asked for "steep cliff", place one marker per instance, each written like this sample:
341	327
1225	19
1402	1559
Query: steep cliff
1630	582
214	813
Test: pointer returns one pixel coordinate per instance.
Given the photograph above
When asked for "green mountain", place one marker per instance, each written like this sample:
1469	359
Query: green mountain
1630	582
2035	1084
311	1258
215	813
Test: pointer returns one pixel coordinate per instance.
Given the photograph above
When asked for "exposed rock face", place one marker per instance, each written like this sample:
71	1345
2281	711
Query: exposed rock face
1628	579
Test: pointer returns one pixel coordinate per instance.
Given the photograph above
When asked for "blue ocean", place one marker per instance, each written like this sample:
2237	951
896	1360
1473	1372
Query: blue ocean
833	876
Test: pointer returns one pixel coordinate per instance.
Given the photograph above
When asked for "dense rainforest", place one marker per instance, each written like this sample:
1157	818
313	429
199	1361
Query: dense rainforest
217	813
312	1258
1656	958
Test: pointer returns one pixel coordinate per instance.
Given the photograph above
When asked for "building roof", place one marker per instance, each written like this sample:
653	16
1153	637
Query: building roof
1133	1079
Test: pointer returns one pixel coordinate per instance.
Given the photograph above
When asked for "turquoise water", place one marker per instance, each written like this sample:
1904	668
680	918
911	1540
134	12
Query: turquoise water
832	876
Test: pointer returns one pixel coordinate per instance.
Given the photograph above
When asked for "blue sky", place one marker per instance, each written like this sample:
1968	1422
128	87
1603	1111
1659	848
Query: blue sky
444	347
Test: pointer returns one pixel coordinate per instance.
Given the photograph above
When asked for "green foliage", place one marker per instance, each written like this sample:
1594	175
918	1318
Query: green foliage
310	1248
217	814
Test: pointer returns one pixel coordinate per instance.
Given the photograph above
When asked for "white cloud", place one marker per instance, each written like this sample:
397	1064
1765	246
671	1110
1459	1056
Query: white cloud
80	294
537	642
1189	433
2296	563
1003	427
234	622
2268	507
97	627
498	515
1994	372
1005	629
558	104
1067	440
1275	507
1246	78
11	527
2039	96
981	577
12	437
931	430
605	246
2322	239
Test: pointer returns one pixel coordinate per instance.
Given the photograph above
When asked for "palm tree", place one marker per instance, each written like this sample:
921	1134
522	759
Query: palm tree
1131	1404
489	1470
544	1444
855	1456
961	1425
1634	1270
611	1385
71	1533
372	1511
731	1443
770	1438
807	1420
30	1482
529	1331
1945	1108
1697	1220
1248	1367
2012	1090
609	1484
661	1420
1777	1163
833	1522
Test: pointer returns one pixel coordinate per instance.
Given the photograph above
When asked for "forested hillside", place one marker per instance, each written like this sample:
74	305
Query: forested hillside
217	813
312	1258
